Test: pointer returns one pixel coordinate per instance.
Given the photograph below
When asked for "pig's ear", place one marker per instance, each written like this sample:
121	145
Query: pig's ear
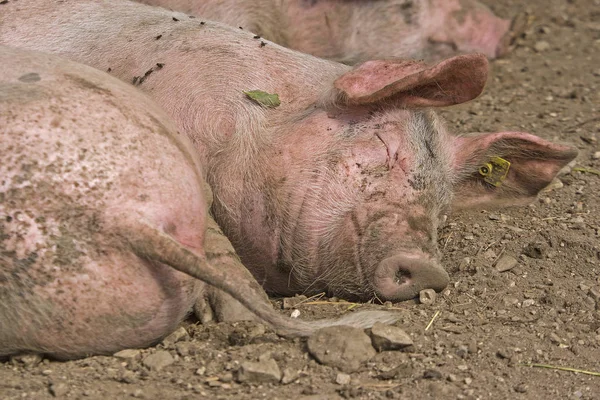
504	169
413	84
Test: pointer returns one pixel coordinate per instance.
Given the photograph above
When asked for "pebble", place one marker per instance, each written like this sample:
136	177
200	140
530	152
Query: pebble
177	336
555	184
342	379
289	375
127	354
596	155
343	347
432	374
427	296
27	360
158	360
388	337
541	46
528	302
292	302
521	388
58	389
265	371
506	263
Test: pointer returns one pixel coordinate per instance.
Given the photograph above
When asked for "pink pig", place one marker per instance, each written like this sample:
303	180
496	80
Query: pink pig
341	187
103	218
353	31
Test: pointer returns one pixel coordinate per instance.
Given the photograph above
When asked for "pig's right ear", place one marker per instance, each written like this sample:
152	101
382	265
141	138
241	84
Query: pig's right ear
413	84
504	168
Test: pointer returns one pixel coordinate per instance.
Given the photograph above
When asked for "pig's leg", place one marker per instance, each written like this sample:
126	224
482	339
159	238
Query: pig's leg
215	304
228	274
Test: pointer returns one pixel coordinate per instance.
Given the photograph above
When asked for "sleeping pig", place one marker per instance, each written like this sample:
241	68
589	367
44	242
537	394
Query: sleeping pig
351	31
103	218
337	185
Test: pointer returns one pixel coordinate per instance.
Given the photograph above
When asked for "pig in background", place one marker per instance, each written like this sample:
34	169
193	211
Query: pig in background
100	196
339	189
351	31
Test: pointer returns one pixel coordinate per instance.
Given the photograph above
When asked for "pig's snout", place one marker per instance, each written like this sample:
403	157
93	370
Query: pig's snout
400	277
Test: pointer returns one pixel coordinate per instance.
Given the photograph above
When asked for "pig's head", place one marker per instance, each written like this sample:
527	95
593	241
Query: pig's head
356	187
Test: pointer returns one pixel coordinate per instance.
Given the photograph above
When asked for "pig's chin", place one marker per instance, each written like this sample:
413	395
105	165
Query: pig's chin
401	277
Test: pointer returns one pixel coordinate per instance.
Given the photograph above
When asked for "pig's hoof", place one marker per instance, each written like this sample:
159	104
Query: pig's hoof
216	305
518	26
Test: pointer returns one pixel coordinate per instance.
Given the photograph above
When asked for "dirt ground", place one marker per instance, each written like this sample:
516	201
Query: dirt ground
489	326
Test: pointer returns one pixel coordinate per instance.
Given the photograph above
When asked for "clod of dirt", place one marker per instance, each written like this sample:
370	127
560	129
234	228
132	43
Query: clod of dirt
535	250
387	337
506	263
177	336
264	371
158	360
342	347
427	296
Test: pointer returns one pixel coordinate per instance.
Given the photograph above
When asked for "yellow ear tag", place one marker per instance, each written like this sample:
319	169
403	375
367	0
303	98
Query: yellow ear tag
494	171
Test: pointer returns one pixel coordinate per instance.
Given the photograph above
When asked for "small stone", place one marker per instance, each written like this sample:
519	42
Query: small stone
27	360
158	360
295	313
521	388
462	367
541	46
342	379
468	380
292	302
179	335
554	338
432	374
388	337
138	393
266	371
554	185
427	296
400	372
506	263
494	217
58	389
596	155
509	301
289	375
200	371
528	302
127	354
344	347
452	378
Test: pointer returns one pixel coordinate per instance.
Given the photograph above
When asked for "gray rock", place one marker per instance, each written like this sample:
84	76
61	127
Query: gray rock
342	379
177	336
506	263
158	360
387	337
27	360
265	371
343	347
289	375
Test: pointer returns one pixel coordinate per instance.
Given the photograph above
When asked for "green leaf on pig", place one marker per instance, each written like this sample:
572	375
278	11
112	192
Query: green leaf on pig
263	98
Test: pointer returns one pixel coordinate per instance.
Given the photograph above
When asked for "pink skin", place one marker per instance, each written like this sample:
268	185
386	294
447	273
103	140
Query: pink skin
353	31
70	175
468	26
341	187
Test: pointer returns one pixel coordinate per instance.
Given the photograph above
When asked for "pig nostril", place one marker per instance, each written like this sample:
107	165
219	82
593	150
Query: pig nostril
401	277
